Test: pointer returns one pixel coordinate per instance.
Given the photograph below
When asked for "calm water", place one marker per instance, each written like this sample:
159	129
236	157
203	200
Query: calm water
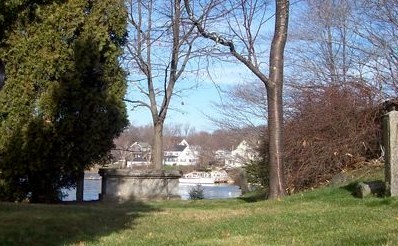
211	191
92	187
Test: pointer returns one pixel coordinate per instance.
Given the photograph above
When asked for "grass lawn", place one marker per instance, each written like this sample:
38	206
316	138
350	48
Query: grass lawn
326	216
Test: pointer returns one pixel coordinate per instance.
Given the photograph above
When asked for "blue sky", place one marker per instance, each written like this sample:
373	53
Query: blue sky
191	107
188	109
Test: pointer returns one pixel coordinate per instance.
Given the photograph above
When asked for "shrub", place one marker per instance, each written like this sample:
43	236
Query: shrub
331	128
328	129
258	173
196	193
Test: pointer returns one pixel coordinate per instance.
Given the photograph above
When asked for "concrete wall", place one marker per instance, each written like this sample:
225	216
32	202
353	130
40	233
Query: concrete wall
130	185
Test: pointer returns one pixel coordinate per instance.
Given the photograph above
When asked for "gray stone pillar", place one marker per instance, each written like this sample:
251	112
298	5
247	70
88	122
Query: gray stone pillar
390	139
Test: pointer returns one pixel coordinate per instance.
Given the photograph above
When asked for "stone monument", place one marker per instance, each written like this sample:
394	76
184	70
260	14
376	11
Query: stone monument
124	184
390	139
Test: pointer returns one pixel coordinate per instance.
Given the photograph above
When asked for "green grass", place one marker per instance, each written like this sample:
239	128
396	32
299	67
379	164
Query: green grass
325	216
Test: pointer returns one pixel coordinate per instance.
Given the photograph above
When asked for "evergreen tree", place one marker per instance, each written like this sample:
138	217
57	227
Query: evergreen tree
62	103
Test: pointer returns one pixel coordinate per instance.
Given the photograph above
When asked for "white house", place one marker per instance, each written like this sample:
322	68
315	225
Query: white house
181	155
221	155
241	155
140	154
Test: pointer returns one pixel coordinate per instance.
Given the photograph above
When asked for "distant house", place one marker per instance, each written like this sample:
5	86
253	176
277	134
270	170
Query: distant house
221	155
241	155
181	154
140	154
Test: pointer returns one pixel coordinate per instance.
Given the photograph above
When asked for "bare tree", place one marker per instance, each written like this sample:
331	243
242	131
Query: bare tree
188	130
122	143
342	41
323	46
159	48
251	15
243	107
377	23
130	135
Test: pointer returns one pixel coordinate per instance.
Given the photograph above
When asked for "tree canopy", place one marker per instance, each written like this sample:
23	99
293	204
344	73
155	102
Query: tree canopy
62	103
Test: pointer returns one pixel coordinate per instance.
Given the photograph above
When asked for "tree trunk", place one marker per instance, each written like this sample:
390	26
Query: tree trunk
157	150
275	102
80	187
275	136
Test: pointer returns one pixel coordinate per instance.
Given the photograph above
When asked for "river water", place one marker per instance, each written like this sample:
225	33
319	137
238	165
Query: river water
92	188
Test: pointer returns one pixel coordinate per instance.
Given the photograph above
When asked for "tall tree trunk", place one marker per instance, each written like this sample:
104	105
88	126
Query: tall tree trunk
80	187
157	150
275	102
275	137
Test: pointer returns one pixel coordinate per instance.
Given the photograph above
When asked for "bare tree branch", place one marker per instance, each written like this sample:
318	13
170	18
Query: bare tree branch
225	42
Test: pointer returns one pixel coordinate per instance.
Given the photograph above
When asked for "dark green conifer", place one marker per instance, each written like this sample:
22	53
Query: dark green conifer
62	103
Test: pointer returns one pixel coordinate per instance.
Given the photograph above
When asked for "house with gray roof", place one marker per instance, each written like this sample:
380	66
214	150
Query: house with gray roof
181	154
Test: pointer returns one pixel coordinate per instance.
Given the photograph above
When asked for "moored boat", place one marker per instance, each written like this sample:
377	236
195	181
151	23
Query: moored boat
205	177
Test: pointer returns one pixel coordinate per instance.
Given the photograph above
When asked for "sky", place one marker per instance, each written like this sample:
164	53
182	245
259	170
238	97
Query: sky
190	109
193	106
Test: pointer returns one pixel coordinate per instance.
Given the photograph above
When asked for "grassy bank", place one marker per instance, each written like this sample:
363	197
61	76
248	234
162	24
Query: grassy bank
326	216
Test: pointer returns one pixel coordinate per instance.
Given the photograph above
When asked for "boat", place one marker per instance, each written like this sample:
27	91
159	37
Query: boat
212	177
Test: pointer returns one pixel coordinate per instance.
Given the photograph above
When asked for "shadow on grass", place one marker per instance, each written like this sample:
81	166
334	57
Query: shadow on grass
39	224
255	196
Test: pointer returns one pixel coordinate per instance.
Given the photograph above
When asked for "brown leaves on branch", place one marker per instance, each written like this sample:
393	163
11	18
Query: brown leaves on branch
333	128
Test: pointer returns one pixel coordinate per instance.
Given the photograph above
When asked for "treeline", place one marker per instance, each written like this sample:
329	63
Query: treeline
209	142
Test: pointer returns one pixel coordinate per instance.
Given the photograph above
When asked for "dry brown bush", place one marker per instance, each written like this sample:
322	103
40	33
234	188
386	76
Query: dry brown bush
332	128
